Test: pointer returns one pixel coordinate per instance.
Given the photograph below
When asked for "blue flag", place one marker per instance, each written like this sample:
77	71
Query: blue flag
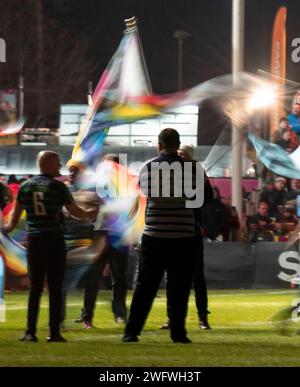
275	158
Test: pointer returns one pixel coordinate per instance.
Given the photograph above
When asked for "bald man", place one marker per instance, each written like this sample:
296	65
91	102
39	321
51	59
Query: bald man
43	198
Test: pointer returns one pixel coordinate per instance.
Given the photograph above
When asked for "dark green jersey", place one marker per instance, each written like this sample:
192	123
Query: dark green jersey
43	197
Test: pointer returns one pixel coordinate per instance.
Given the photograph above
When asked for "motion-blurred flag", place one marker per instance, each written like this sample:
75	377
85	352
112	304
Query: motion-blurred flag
275	158
11	128
123	210
14	255
125	77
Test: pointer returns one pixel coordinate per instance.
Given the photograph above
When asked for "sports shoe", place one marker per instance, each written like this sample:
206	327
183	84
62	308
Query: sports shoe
88	325
204	325
130	339
29	337
56	339
204	322
166	325
120	320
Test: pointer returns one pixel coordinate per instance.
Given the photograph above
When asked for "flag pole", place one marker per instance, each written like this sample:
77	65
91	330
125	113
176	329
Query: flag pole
238	21
131	26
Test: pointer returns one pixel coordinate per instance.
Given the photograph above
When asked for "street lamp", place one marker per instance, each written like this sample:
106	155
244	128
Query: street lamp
180	35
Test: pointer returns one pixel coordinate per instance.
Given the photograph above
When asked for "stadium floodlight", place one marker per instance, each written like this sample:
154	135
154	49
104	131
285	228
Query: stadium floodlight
262	97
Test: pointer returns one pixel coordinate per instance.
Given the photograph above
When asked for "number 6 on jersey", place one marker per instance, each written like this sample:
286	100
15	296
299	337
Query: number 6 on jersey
39	208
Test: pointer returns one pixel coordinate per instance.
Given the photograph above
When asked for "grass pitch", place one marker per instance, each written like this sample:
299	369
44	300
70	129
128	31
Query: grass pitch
243	334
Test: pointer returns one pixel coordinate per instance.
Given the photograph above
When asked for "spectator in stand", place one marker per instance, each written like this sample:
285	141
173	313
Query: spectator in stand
294	117
275	197
286	222
283	137
260	225
294	190
282	125
288	216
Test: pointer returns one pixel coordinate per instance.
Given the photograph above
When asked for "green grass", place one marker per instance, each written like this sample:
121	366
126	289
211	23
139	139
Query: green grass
243	335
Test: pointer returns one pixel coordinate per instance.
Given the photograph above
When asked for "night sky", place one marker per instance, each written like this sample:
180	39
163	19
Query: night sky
80	37
207	53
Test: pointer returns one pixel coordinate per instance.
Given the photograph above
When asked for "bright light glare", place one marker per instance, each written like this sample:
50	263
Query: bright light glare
262	98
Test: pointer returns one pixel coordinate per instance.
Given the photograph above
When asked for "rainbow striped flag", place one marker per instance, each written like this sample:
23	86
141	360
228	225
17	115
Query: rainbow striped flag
13	254
113	100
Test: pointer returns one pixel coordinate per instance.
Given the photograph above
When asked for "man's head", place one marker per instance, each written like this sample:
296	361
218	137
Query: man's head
296	109
168	140
75	170
286	134
263	209
283	123
186	151
295	184
49	163
280	183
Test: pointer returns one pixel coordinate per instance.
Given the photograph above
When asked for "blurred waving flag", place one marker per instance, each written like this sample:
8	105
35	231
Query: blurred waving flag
14	255
124	78
123	211
123	95
11	128
275	158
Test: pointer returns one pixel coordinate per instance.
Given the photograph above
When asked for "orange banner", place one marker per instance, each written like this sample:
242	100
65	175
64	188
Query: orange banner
278	66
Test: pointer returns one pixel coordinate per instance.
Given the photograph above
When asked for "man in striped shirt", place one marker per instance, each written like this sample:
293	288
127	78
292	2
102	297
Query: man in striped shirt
176	189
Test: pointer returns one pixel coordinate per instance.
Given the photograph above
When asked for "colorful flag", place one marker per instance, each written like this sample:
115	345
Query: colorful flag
125	77
12	128
14	255
123	208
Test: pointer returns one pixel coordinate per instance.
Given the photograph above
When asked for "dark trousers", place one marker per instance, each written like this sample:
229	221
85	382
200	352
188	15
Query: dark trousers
46	258
177	258
200	287
199	284
117	261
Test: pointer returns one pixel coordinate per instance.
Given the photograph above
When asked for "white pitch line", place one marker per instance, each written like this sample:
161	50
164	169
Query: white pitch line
254	293
43	306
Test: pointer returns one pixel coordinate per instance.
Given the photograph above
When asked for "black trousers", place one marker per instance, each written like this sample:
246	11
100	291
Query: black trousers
118	261
177	258
46	258
200	287
199	284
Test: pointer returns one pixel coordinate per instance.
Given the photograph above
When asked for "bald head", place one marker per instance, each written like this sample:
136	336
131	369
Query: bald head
49	163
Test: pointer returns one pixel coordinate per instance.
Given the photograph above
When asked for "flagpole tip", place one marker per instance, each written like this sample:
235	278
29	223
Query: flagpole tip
131	24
